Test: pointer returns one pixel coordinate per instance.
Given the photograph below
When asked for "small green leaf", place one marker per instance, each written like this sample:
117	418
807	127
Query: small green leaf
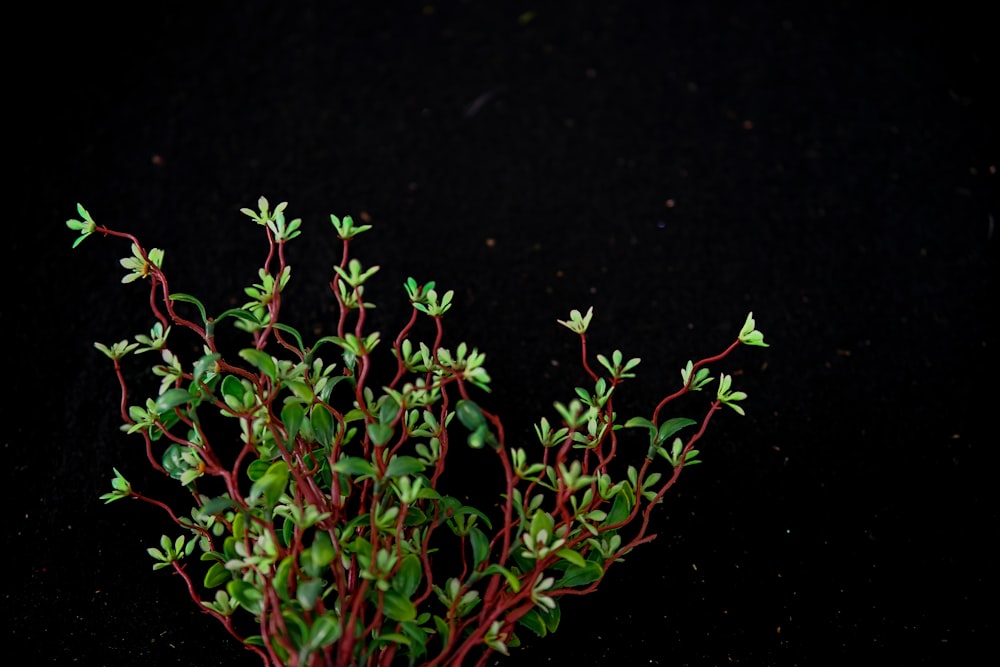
533	621
470	414
581	576
217	575
480	546
177	296
408	576
257	469
645	423
171	399
271	485
749	334
542	622
388	411
672	426
321	553
478	438
322	425
572	556
205	365
308	592
249	597
397	606
512	579
379	433
325	631
578	323
121	486
173	461
403	465
301	390
262	361
281	576
541	521
621	508
233	388
292	415
355	466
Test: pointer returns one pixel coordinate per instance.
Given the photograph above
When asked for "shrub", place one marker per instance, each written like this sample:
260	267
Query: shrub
316	504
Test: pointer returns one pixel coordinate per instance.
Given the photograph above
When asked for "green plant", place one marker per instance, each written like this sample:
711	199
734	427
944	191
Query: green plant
317	507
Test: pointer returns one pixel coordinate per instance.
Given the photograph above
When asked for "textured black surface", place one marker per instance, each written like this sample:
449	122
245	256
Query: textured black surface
675	165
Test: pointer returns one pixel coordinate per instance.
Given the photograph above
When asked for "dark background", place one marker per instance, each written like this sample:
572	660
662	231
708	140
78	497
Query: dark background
830	167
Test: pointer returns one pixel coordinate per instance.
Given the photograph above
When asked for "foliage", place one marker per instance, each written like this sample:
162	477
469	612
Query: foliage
326	523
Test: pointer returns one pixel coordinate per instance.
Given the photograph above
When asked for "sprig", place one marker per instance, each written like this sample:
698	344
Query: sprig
319	493
749	335
86	226
578	323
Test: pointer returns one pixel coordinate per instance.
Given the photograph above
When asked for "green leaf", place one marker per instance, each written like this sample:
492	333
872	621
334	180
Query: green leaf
239	314
672	426
578	323
325	631
552	618
177	296
355	466
397	606
749	334
205	365
217	575
301	390
173	461
477	439
470	414
249	597
86	227
391	638
388	411
271	485
281	577
541	521
292	415
308	592
736	408
346	229
621	507
262	361
418	637
581	576
257	469
463	510
171	399
322	424
321	553
408	575
292	332
216	506
512	580
121	486
542	622
379	433
441	626
415	516
572	556
480	546
645	423
233	388
403	465
534	622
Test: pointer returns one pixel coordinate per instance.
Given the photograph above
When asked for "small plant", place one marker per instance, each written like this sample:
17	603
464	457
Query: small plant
316	503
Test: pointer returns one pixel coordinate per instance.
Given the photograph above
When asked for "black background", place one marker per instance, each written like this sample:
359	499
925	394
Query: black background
675	165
